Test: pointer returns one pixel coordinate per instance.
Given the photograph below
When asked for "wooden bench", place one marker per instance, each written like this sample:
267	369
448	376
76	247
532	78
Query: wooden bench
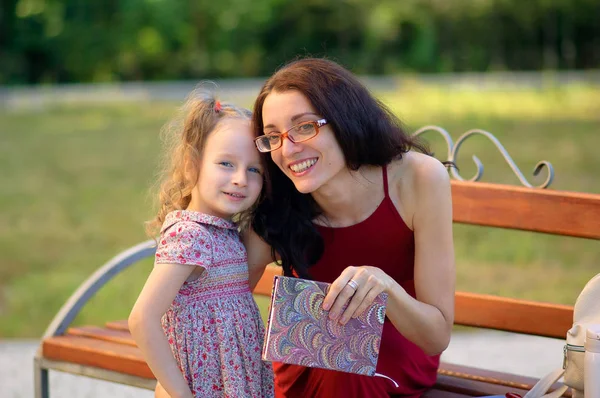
108	352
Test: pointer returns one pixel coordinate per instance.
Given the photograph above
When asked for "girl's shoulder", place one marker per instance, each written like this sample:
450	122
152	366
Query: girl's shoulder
195	220
184	242
192	236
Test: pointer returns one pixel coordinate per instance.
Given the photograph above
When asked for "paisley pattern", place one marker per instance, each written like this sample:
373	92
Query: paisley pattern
301	333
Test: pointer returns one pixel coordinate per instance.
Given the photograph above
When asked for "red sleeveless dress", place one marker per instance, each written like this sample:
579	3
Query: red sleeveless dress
383	240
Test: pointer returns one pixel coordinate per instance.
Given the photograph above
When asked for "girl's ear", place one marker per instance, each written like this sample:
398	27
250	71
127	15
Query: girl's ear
190	169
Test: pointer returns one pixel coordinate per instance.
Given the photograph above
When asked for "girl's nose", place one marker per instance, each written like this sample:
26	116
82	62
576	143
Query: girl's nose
240	178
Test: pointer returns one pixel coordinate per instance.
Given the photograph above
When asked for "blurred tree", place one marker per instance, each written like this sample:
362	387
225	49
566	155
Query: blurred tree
45	41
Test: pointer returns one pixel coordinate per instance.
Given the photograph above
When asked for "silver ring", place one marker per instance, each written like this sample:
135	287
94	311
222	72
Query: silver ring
352	283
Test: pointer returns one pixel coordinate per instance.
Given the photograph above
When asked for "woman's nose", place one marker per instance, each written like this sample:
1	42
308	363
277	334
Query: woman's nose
288	147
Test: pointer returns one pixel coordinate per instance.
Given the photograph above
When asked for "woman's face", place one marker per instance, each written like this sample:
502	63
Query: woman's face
309	164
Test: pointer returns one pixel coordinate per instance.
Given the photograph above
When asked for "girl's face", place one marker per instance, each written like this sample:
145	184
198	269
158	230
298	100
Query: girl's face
230	178
309	164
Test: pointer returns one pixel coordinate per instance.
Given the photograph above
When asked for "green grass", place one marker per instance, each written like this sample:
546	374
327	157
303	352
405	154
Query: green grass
75	193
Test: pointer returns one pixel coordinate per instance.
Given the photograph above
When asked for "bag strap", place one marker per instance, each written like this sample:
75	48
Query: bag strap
542	386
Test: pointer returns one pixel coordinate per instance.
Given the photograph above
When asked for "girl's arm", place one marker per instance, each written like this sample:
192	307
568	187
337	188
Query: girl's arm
158	293
259	255
427	320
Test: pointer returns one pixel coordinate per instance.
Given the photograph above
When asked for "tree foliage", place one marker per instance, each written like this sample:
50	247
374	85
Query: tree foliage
109	40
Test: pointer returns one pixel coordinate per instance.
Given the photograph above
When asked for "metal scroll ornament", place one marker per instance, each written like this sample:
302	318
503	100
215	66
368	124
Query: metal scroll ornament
453	149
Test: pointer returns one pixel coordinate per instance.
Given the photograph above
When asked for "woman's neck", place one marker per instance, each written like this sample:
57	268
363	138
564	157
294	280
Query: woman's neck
350	197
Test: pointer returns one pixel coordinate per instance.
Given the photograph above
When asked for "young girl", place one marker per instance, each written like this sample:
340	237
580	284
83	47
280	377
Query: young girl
195	320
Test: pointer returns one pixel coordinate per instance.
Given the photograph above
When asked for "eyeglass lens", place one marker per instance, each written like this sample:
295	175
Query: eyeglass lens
298	133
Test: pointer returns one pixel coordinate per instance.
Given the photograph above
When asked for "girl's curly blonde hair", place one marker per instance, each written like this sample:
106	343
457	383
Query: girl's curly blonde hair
185	138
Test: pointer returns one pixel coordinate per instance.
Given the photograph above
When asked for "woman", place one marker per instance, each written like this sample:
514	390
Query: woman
355	201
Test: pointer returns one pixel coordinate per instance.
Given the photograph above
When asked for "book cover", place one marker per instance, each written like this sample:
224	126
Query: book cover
300	332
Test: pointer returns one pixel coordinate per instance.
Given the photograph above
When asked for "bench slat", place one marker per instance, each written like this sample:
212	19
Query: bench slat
107	355
435	393
472	388
477	381
105	334
538	210
520	316
264	287
118	325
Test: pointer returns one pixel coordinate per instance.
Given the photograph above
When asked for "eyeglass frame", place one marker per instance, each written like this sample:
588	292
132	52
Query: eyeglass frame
317	123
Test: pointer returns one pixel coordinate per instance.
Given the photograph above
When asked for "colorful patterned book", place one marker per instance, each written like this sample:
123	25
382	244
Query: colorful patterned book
300	332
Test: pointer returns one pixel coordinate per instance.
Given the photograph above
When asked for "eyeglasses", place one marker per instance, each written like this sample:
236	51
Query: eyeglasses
301	132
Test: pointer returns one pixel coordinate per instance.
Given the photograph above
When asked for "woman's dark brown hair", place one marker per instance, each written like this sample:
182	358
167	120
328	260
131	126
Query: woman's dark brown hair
366	130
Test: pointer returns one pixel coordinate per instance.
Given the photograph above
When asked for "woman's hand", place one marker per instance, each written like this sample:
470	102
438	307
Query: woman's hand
358	285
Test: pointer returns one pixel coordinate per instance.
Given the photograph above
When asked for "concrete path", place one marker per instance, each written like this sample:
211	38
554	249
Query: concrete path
245	90
525	355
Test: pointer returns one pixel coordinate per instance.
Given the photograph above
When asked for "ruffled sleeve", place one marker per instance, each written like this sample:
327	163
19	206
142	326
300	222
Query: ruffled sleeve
185	242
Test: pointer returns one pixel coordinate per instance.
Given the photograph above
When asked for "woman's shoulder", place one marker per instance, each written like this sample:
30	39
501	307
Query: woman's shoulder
417	182
418	171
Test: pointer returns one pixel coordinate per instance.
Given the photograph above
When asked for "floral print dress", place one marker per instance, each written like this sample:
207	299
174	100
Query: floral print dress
213	326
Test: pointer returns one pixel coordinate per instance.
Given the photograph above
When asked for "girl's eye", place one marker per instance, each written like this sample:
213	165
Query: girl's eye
254	170
226	164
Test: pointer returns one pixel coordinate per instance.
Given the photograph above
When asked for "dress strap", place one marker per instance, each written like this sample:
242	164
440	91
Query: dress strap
385	180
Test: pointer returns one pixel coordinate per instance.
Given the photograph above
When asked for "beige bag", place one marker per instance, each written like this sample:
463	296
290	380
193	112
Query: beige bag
586	312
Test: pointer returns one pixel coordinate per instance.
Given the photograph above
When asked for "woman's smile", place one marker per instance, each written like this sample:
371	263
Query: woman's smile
301	167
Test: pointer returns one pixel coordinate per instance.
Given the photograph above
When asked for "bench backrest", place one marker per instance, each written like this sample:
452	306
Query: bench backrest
537	210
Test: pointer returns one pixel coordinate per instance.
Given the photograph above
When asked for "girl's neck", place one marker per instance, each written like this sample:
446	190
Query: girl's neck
350	197
199	207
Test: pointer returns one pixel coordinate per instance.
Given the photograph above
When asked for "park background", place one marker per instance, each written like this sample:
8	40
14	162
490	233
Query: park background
85	87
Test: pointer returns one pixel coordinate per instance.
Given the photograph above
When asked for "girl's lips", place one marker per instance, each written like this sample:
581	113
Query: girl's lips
235	195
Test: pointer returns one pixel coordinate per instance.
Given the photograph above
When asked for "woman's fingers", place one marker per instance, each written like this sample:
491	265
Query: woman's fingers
349	289
337	288
367	301
355	302
363	298
357	287
343	297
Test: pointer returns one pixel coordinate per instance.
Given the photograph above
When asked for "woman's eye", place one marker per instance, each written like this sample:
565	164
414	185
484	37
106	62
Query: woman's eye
226	164
273	137
306	129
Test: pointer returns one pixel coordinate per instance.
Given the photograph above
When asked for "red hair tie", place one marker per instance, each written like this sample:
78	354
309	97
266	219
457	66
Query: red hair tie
217	106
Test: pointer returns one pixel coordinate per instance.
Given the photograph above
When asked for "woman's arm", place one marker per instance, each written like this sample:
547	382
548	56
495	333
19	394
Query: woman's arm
259	256
158	293
427	320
